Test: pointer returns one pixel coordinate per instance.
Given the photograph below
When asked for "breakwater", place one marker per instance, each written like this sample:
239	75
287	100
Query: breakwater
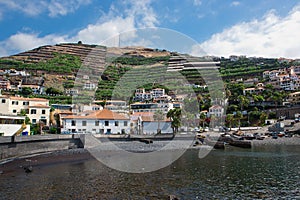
15	146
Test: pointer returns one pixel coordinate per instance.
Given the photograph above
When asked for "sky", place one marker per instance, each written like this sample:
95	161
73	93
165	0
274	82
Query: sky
261	28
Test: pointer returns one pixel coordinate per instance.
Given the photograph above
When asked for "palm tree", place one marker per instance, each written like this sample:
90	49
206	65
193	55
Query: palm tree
158	116
230	119
202	118
244	101
239	116
175	116
200	101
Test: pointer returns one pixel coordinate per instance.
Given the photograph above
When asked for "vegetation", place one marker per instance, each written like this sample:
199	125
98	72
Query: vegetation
60	63
138	60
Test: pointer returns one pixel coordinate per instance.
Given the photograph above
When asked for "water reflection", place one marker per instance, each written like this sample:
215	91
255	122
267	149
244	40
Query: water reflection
230	174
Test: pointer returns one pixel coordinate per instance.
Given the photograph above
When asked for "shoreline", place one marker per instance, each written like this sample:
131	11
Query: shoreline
12	166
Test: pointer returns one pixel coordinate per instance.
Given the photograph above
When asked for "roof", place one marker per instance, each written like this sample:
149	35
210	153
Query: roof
151	119
24	99
39	106
216	107
100	114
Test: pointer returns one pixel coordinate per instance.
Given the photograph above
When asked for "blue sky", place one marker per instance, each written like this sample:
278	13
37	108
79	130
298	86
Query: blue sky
266	28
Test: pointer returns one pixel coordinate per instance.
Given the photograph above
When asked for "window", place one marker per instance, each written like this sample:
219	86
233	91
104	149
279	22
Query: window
33	111
14	111
33	121
73	123
3	101
96	123
106	123
116	123
125	123
83	123
25	103
14	102
43	112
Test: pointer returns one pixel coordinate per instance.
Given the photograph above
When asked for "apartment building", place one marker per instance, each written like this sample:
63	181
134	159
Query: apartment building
37	109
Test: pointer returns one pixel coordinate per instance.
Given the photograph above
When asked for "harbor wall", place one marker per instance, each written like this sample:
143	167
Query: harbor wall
15	146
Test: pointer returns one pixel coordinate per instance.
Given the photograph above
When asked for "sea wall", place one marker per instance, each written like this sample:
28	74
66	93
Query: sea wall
15	146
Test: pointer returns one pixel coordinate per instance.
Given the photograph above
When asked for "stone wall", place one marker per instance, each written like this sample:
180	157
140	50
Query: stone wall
15	146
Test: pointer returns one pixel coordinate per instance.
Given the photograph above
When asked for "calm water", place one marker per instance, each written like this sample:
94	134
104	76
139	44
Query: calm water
270	173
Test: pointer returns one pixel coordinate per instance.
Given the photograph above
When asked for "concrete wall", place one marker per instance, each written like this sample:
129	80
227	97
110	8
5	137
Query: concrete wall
23	145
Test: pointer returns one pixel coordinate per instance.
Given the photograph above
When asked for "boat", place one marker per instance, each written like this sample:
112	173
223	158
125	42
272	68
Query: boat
240	143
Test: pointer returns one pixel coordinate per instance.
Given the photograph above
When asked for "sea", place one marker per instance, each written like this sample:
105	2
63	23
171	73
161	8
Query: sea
268	172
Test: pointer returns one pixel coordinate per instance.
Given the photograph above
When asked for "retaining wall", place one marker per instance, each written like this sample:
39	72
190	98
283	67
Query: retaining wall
15	146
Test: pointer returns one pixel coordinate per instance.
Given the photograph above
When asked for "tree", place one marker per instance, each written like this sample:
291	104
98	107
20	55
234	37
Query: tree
158	116
230	119
175	116
243	100
53	91
202	118
263	118
26	91
200	101
239	116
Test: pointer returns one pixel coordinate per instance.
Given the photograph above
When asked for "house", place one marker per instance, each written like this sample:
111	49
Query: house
216	110
259	88
72	92
145	123
4	84
37	109
151	107
142	95
294	98
89	86
36	89
158	92
102	122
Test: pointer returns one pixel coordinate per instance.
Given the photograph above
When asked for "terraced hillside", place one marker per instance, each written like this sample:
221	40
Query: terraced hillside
64	65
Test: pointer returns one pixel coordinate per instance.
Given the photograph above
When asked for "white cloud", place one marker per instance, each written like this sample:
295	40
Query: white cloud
197	2
235	3
35	7
136	14
142	12
27	41
62	7
271	36
97	33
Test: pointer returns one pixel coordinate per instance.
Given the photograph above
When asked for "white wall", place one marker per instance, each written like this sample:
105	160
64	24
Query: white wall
151	127
92	128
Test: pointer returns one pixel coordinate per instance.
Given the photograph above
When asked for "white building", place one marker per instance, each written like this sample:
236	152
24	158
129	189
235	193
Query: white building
158	92
37	109
145	124
101	122
216	110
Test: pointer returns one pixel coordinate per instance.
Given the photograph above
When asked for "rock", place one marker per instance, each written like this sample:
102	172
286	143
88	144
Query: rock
27	169
173	197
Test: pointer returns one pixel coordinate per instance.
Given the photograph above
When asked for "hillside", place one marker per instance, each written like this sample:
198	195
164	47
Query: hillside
58	65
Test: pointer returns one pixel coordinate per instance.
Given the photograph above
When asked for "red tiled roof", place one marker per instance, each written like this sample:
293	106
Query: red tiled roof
27	99
39	106
100	114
